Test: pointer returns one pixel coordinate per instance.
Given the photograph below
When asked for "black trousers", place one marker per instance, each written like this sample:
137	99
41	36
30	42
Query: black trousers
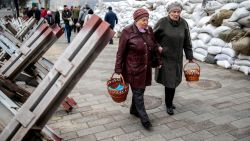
137	105
169	96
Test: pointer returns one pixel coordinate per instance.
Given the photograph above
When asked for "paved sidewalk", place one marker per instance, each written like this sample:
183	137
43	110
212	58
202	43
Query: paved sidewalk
221	114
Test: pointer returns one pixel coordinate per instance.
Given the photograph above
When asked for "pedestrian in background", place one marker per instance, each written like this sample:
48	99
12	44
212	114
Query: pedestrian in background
88	16
75	15
66	16
133	61
172	33
57	18
43	12
112	19
49	18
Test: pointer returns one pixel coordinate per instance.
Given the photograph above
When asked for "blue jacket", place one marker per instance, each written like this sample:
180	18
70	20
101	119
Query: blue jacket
111	18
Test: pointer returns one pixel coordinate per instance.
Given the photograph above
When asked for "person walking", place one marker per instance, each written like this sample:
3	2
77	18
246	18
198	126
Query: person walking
57	18
49	18
75	15
88	16
172	34
66	16
133	61
112	19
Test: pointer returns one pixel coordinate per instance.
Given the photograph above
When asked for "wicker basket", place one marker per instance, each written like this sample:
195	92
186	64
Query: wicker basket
192	71
118	95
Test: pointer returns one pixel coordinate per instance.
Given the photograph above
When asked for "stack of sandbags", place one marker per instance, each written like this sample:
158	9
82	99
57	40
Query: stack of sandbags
242	64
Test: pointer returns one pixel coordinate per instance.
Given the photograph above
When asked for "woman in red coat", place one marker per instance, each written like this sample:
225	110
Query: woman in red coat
134	61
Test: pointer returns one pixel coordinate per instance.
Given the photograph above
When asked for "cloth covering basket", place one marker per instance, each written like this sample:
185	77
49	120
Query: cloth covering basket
117	88
191	71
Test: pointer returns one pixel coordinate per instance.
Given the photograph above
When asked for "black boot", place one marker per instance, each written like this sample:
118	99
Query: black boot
170	110
147	125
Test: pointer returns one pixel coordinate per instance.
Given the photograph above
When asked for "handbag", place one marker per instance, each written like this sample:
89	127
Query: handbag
71	22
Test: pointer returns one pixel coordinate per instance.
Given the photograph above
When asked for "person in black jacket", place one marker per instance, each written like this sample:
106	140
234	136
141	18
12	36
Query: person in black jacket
66	16
112	19
57	18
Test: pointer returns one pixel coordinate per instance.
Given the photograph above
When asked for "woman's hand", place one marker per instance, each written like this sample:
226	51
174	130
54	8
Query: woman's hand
191	60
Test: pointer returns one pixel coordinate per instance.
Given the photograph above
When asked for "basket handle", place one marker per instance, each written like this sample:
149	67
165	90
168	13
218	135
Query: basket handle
191	62
123	82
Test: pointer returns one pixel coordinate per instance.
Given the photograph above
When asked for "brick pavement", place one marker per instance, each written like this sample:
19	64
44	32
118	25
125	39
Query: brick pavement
211	115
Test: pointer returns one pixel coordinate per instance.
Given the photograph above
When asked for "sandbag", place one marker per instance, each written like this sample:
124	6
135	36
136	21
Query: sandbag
228	51
208	29
217	42
224	64
203	21
230	6
245	4
221	57
199	56
217	18
214	50
229	34
210	59
220	29
232	25
242	62
243	57
201	51
244	21
212	5
239	13
242	45
204	37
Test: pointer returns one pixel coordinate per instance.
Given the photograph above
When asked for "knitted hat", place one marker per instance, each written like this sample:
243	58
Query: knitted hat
174	5
140	13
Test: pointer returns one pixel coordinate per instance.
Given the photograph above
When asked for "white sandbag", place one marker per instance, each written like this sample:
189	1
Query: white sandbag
230	1
194	35
224	64
204	37
232	25
191	23
214	50
230	6
189	8
217	42
245	69
201	51
228	51
242	62
199	57
198	44
245	4
186	15
208	29
235	67
220	29
195	29
245	21
203	21
195	1
198	13
213	5
243	57
221	57
238	14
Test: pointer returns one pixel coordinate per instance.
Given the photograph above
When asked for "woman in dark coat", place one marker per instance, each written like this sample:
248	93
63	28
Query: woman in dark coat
133	61
172	33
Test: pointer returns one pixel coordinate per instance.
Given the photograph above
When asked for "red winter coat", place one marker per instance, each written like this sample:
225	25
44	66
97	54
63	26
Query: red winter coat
133	57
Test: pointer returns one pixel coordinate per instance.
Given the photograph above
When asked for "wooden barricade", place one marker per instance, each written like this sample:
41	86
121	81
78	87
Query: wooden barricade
68	69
